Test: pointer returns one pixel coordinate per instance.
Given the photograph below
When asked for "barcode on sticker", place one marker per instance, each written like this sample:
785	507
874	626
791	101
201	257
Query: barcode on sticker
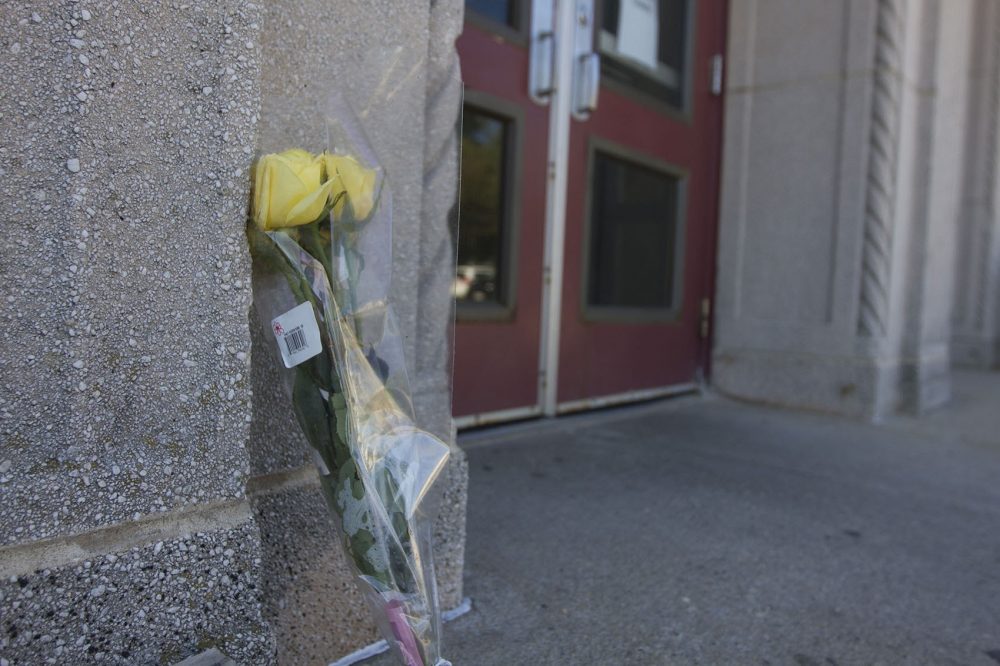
297	334
295	340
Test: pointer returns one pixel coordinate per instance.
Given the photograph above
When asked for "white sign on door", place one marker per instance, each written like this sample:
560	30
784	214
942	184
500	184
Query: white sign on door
638	31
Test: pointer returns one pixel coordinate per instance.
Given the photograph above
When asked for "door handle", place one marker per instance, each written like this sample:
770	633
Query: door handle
586	63
587	79
542	59
542	56
717	70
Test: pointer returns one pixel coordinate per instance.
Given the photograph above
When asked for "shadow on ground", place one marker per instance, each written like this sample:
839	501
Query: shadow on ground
701	531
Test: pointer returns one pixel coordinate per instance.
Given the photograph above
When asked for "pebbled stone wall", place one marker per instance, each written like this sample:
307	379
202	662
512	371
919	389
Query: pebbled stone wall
155	499
127	133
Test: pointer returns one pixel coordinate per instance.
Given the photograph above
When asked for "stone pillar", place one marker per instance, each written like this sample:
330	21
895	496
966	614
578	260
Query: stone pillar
930	194
976	315
807	206
155	498
836	249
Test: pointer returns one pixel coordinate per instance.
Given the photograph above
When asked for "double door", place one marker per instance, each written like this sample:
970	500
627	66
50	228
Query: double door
590	171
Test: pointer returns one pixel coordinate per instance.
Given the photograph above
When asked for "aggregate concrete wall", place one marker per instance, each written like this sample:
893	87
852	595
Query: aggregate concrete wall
155	499
127	133
153	603
126	154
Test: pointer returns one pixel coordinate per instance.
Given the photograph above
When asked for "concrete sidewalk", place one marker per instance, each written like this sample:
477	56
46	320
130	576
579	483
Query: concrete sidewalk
701	531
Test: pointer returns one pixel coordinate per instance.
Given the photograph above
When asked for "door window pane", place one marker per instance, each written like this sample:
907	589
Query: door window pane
633	235
483	209
501	11
645	45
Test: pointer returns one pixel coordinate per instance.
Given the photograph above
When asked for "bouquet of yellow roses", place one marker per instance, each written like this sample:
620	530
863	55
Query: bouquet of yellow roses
324	221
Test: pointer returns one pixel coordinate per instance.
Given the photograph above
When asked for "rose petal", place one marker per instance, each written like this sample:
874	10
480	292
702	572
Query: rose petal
261	199
358	182
285	191
310	207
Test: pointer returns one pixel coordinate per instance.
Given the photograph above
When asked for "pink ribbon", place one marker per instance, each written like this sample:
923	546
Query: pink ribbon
407	642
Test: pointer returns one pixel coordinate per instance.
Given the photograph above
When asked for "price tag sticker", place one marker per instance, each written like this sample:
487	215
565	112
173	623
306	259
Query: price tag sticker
297	334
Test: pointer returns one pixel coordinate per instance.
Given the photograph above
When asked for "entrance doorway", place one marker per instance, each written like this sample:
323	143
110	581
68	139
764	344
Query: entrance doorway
590	174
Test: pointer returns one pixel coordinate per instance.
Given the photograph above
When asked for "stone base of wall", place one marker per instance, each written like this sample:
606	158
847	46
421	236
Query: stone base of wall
850	386
263	580
975	351
310	598
155	603
925	382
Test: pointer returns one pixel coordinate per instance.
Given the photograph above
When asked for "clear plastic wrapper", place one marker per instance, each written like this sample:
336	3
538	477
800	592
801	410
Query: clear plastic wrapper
322	221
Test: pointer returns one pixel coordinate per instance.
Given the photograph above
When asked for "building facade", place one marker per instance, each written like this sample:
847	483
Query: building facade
793	202
859	255
586	250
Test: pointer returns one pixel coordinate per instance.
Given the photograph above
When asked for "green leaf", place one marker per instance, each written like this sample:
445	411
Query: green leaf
341	416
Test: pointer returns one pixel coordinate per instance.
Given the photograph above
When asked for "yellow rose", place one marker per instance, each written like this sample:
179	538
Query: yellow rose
356	181
289	190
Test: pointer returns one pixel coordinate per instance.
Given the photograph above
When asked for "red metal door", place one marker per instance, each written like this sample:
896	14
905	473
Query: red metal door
641	210
625	194
498	286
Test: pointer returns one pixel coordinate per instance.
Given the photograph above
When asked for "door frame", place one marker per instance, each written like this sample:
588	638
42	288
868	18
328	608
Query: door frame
560	120
513	115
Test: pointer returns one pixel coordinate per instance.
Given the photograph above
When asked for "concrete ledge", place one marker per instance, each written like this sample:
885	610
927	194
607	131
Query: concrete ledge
208	658
309	595
24	558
